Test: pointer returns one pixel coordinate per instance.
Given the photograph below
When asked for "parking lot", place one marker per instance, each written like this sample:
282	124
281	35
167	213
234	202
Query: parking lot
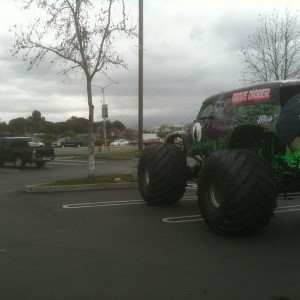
109	244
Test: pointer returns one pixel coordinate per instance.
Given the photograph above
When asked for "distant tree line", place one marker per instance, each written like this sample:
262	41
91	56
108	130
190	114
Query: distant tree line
36	123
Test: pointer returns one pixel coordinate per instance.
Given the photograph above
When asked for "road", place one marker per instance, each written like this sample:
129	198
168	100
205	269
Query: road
109	244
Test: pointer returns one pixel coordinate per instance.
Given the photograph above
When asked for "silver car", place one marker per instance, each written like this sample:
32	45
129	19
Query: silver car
32	141
121	142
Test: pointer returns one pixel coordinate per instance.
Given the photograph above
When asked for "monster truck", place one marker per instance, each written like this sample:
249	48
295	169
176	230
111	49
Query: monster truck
245	150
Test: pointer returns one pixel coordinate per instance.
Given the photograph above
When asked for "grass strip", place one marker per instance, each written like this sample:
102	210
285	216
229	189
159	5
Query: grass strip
125	177
117	154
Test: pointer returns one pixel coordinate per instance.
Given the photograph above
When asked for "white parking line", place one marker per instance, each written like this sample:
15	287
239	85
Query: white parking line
68	162
9	170
81	161
283	209
65	164
289	196
183	219
189	198
114	203
197	218
176	219
103	204
191	186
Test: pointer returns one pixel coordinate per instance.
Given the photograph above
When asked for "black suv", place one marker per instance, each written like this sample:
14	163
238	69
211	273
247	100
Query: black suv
245	150
67	142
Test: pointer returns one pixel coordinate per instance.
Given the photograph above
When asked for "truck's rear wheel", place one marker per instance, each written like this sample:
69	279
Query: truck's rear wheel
162	174
236	192
19	162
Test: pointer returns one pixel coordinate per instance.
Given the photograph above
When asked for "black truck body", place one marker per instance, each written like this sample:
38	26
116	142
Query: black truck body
18	151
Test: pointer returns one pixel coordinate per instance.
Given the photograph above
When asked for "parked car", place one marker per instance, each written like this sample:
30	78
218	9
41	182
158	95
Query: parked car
32	141
121	142
67	142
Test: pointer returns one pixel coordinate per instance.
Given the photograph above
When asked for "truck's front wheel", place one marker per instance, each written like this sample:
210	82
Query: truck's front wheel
236	192
162	174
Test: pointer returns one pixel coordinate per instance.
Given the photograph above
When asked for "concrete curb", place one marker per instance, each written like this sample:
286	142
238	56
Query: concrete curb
83	187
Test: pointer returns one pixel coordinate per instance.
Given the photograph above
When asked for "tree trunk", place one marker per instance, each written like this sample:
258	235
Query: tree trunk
91	157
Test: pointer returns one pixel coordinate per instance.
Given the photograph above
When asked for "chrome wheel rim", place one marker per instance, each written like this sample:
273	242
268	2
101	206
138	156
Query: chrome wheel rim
147	176
18	162
216	191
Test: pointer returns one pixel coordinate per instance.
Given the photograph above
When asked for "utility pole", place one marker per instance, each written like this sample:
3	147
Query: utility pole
141	87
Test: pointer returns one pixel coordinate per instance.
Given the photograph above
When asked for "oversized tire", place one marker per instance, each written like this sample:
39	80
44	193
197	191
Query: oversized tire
162	174
236	192
19	162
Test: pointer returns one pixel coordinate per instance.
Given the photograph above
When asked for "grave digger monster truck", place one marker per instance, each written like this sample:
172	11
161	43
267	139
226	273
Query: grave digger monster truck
245	149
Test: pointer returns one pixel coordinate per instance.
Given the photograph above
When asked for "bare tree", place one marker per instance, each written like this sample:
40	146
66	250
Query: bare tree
80	35
273	53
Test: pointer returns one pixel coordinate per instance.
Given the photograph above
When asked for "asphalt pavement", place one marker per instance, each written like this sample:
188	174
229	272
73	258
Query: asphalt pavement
109	244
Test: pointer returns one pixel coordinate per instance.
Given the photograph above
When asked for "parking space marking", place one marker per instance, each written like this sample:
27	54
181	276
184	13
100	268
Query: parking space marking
191	186
173	219
81	161
183	219
65	163
9	170
114	203
197	218
283	209
289	196
72	162
189	198
103	204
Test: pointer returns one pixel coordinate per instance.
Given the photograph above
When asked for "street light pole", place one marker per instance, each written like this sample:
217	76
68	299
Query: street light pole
104	108
141	75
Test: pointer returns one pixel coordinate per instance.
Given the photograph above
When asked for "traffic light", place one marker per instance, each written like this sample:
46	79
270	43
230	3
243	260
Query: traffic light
104	111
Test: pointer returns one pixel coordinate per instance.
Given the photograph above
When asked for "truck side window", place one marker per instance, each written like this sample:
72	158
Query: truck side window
206	112
18	143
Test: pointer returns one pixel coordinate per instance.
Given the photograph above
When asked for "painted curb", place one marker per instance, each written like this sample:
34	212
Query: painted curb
82	187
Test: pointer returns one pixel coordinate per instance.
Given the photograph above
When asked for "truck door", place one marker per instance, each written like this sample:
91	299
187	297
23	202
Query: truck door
214	121
4	153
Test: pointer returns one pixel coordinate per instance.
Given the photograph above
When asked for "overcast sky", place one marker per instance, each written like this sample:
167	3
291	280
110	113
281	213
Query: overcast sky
192	51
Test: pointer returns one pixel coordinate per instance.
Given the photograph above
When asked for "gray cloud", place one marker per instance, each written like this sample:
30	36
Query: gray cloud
191	52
